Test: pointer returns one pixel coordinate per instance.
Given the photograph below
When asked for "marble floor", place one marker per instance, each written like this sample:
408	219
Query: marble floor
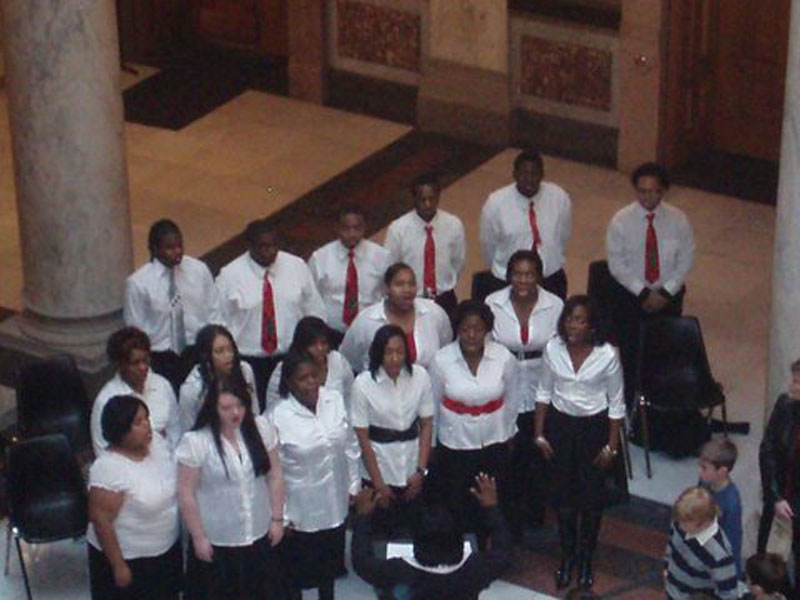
260	152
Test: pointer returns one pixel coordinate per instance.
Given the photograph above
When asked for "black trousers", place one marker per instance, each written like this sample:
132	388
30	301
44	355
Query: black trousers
576	483
174	367
237	573
485	283
455	475
312	559
528	477
154	578
263	366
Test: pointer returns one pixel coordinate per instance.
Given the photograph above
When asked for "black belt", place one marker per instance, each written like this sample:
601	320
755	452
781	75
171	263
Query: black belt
528	354
382	435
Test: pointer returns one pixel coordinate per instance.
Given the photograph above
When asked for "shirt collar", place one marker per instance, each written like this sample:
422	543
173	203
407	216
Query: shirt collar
704	536
380	314
421	222
343	250
257	268
658	211
503	300
382	377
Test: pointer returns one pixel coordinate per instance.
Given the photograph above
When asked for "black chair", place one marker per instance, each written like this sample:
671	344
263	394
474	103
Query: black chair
47	494
51	398
673	374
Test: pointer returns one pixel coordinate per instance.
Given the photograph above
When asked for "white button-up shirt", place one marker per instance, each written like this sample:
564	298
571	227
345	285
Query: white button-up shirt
193	393
496	378
147	522
541	326
234	506
384	402
160	400
147	303
339	379
329	268
432	330
505	226
319	455
241	291
596	386
405	241
625	247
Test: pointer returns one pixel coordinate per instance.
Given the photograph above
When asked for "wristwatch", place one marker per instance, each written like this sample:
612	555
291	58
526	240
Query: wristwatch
608	449
423	472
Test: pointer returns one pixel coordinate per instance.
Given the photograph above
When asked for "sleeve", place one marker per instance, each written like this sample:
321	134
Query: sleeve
268	433
488	237
565	222
726	582
511	386
617	259
685	256
458	254
426	405
544	389
188	404
347	380
437	391
351	346
615	387
359	405
353	455
106	474
313	267
767	452
443	327
273	396
226	307
313	304
496	561
250	380
133	307
732	526
377	572
191	450
173	427
393	243
96	429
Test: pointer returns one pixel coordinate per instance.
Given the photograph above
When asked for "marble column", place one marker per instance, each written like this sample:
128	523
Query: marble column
66	118
640	60
464	86
784	339
307	61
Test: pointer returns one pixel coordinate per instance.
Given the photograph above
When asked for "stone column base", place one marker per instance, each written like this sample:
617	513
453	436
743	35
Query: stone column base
84	339
466	103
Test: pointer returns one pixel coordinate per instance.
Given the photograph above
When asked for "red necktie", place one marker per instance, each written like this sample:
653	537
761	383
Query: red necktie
412	347
350	309
651	268
429	272
537	240
269	332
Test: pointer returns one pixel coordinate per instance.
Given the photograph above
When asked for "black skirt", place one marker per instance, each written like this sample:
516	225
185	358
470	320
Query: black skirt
154	577
312	559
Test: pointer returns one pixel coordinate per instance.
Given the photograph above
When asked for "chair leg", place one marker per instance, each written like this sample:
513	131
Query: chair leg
8	547
724	419
626	451
645	435
24	570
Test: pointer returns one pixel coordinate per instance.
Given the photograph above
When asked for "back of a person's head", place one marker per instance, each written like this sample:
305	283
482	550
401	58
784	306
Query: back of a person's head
437	540
720	452
768	572
695	505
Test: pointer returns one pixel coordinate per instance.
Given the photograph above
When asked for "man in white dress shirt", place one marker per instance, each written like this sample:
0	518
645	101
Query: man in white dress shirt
170	298
650	249
348	272
431	242
529	214
263	294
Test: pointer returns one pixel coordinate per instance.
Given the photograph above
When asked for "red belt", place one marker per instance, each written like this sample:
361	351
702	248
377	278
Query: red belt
466	409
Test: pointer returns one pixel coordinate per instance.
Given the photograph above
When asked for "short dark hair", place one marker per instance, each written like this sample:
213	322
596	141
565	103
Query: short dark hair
123	342
529	155
651	169
291	362
598	337
521	255
437	539
256	229
393	270
351	209
431	178
720	452
307	331
768	571
468	308
118	416
158	231
378	347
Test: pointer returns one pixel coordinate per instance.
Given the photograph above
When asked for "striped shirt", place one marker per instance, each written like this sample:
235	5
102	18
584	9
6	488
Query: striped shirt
700	563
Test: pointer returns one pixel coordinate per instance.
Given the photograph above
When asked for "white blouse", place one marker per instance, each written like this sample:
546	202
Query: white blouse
339	379
160	400
432	330
147	522
384	402
596	386
193	392
496	379
234	506
319	456
541	326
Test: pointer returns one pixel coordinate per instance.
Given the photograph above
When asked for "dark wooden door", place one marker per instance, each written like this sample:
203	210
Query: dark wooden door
256	25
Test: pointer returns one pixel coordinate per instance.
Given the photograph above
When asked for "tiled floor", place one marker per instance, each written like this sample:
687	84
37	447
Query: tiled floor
260	152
